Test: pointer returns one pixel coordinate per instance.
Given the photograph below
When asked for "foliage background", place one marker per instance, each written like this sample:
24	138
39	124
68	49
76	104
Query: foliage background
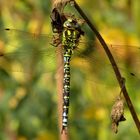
28	102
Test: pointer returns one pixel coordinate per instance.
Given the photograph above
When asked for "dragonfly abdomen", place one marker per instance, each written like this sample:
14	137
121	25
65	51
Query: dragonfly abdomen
66	90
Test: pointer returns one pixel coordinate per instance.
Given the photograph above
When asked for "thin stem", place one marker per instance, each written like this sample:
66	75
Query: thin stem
59	82
113	63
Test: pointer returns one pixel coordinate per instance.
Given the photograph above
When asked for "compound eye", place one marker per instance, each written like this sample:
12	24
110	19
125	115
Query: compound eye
68	24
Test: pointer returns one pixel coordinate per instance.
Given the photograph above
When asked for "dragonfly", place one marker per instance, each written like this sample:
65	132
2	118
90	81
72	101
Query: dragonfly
26	52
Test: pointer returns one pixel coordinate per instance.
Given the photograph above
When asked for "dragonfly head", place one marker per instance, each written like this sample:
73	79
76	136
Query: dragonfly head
71	24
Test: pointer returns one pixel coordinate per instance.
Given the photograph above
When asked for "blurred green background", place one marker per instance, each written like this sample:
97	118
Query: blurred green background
28	97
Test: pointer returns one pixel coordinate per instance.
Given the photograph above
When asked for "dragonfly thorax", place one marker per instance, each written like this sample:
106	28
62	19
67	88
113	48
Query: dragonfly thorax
71	34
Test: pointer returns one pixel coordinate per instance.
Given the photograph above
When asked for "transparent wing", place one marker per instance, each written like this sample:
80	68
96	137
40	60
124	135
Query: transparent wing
95	61
26	52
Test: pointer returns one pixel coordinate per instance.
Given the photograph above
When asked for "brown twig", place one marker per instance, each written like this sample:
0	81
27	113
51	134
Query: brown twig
113	63
59	79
